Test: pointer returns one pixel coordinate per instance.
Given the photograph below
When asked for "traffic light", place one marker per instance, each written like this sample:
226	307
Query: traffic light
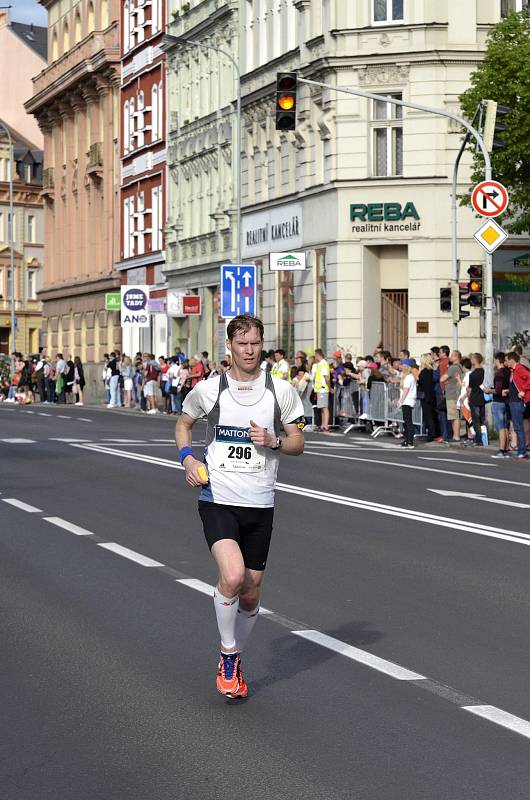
286	89
493	125
445	299
463	300
475	286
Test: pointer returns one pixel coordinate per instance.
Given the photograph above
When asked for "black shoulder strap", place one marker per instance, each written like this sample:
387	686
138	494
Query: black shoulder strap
269	384
212	418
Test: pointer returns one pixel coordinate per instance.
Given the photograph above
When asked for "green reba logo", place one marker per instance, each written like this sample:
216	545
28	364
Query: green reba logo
383	212
289	262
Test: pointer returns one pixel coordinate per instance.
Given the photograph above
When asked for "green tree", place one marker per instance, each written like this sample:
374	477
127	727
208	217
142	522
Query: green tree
504	76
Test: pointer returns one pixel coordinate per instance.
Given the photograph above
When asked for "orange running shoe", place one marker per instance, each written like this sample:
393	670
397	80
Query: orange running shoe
227	674
242	690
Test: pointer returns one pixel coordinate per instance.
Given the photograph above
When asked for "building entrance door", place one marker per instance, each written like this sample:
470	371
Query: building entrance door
395	319
4	341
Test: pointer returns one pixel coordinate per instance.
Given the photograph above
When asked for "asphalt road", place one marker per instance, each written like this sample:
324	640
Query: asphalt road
394	663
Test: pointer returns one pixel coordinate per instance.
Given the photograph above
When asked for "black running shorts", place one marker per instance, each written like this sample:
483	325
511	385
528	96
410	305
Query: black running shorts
251	528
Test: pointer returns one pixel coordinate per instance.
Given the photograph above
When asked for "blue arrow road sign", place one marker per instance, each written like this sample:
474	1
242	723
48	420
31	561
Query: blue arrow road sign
238	289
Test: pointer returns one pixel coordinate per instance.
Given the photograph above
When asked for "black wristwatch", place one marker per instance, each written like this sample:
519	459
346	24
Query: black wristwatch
278	444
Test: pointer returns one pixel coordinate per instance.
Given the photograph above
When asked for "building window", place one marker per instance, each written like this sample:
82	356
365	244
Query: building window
387	138
9	284
31	229
154	113
387	11
131	226
66	38
140	135
126	253
77	29
155	16
28	172
90	16
140	227
507	6
126	135
160	111
131	124
9	226
55	47
32	284
157	219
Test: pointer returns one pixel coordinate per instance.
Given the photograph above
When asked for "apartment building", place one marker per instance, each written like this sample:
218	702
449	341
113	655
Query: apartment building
143	165
362	187
76	103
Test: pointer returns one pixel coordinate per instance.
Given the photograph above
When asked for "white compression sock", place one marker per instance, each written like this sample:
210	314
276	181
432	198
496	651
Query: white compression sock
245	621
226	613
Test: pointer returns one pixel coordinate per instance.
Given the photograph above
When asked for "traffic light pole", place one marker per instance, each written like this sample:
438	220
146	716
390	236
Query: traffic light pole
471	131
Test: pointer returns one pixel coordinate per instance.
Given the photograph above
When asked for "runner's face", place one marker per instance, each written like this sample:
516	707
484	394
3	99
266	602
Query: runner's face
246	348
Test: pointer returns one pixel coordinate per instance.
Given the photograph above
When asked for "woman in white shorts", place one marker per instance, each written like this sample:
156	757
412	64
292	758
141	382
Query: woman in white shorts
127	373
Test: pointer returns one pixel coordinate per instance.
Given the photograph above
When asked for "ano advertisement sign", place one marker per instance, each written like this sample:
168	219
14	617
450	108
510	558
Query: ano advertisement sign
135	306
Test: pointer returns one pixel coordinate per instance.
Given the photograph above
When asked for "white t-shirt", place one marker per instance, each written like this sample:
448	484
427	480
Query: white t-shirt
240	473
173	374
409	383
280	368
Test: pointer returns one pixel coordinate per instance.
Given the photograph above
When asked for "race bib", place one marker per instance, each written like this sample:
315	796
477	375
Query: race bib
235	452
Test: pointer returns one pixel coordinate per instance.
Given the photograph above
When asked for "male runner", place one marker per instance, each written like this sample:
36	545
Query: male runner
245	410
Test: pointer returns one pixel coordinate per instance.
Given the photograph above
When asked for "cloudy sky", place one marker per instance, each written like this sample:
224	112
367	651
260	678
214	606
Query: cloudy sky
26	11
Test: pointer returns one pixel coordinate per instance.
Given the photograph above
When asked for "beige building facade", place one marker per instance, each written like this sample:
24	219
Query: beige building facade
22	54
75	101
361	187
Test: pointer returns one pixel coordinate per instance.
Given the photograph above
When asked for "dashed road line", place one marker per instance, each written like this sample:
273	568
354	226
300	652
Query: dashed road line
500	717
468	462
12	501
18	441
132	555
362	656
83	419
490	713
44	414
68	526
66	440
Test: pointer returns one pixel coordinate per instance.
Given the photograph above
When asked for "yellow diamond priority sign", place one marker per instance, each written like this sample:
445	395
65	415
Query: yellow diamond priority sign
490	235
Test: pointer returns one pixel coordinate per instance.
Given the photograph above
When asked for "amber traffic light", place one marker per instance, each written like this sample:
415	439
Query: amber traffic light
286	89
475	286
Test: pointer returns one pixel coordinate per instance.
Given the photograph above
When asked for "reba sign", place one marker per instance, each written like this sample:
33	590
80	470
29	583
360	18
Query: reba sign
384	217
135	306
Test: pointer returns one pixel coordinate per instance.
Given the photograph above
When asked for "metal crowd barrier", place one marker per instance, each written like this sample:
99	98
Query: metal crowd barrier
378	408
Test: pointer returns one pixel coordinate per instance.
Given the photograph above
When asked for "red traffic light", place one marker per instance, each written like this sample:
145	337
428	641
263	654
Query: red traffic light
286	82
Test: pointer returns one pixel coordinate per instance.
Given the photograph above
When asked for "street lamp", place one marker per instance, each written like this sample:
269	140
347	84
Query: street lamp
11	250
169	42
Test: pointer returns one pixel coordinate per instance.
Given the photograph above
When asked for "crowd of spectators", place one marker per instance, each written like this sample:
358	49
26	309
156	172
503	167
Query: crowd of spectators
450	388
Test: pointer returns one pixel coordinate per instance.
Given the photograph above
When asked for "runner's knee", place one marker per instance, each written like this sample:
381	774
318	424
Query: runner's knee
230	582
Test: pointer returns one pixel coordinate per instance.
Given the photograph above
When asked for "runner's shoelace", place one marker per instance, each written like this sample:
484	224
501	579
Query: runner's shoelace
229	662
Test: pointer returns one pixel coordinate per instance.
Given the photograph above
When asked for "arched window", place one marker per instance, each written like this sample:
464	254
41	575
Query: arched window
140	135
160	111
155	133
55	47
131	124
126	134
90	16
77	31
104	14
66	38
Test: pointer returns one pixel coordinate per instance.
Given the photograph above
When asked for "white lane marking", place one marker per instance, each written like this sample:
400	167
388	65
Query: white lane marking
83	419
362	656
125	441
68	441
415	466
29	412
63	416
132	555
43	414
18	441
482	497
205	588
468	462
365	505
23	506
500	717
68	526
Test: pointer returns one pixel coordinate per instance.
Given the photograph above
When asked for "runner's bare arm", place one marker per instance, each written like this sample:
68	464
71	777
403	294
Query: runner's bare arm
183	438
292	442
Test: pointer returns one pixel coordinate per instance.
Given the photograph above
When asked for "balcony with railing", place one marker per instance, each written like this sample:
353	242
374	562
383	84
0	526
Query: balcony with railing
94	166
48	183
95	52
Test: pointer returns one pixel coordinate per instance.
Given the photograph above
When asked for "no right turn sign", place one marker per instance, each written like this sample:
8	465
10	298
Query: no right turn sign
489	198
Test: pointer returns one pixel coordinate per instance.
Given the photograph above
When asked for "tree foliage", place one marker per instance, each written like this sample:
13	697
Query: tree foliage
504	76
